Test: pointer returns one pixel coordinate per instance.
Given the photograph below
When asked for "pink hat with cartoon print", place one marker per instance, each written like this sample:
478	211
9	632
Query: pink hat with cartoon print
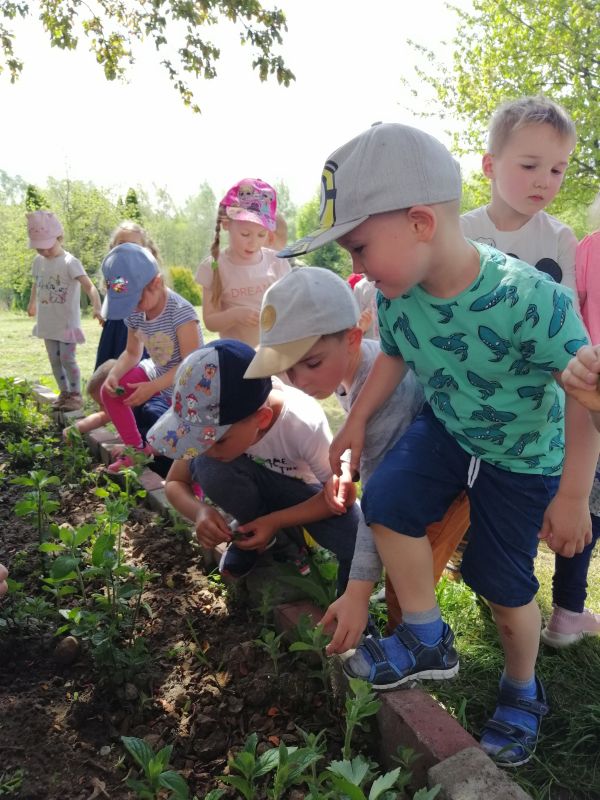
252	200
43	229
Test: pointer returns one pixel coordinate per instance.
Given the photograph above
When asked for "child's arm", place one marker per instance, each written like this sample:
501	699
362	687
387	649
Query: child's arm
91	291
31	308
188	336
128	359
217	320
567	525
350	613
385	374
211	528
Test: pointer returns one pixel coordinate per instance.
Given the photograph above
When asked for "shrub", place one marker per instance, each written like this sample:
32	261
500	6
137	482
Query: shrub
185	285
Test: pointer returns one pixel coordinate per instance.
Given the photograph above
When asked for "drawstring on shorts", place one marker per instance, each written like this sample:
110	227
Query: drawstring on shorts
474	465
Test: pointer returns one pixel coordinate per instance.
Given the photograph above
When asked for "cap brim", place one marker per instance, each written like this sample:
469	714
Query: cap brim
164	437
43	244
120	307
246	215
273	359
319	238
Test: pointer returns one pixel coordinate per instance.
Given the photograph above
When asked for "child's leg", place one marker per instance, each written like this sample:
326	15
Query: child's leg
121	415
443	537
70	368
507	510
53	350
247	490
570	619
414	485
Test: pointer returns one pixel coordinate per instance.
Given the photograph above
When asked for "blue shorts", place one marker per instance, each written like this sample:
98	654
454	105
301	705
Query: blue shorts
422	474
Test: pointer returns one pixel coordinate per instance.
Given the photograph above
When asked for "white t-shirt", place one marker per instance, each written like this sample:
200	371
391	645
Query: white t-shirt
298	443
543	242
366	297
57	298
243	287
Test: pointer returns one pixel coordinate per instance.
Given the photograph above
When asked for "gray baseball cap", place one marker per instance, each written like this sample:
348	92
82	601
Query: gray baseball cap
307	303
388	167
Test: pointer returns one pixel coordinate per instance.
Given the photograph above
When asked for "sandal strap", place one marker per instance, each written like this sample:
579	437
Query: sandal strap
532	705
374	649
514	731
382	669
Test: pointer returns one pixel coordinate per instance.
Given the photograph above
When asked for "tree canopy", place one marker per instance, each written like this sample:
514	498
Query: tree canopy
113	29
507	49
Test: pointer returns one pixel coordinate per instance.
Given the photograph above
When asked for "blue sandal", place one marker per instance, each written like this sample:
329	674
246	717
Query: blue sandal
523	740
434	662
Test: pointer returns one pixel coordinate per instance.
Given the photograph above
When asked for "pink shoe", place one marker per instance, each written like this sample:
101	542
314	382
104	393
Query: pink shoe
124	461
567	627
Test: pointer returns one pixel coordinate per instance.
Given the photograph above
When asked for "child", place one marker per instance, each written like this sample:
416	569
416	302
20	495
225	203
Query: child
483	333
529	145
338	360
113	338
157	318
260	452
235	280
530	141
57	278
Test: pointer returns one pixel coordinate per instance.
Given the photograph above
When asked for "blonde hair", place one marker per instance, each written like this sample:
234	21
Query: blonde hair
127	226
515	114
217	285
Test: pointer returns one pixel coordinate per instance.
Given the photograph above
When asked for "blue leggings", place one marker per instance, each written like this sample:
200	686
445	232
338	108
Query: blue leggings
64	365
247	490
569	583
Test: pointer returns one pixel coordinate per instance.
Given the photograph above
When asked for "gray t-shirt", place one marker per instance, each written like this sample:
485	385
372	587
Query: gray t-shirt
384	429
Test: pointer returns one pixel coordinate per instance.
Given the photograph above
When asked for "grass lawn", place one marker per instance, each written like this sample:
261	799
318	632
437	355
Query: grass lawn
569	751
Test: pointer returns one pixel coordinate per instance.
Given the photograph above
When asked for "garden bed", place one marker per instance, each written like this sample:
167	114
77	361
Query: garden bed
198	668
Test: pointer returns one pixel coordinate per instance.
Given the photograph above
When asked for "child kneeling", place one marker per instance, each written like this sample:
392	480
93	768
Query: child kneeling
259	449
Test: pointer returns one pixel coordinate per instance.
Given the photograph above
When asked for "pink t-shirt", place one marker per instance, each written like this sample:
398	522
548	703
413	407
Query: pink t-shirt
587	275
243	286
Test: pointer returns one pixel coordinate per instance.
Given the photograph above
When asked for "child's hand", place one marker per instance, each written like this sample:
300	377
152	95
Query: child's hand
365	320
111	384
258	533
580	378
340	492
31	311
567	526
350	614
211	528
141	393
3	583
99	317
351	436
248	316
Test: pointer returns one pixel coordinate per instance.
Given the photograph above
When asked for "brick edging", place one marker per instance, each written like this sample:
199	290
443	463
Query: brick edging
407	718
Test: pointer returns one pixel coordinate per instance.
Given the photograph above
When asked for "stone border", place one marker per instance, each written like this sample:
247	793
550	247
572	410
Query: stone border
407	718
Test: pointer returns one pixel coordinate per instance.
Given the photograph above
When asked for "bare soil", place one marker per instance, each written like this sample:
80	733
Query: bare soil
61	723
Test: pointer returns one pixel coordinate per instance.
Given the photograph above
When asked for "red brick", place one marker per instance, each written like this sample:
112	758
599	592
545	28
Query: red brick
151	481
412	718
287	615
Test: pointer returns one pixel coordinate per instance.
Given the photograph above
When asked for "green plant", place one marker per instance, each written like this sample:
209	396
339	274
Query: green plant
27	453
156	775
359	707
319	584
16	413
249	767
313	639
270	642
266	602
66	567
77	457
11	782
37	502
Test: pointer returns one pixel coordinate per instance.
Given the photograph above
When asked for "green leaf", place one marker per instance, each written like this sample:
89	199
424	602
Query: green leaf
176	783
383	783
240	784
63	566
139	750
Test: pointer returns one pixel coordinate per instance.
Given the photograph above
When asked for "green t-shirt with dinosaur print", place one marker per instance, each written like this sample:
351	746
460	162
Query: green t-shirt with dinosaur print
485	359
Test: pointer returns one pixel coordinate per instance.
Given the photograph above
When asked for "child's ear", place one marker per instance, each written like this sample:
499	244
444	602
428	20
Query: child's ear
487	165
423	222
264	415
354	337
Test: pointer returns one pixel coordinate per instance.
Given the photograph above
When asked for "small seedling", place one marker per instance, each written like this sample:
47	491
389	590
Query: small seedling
156	775
359	707
271	643
11	782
